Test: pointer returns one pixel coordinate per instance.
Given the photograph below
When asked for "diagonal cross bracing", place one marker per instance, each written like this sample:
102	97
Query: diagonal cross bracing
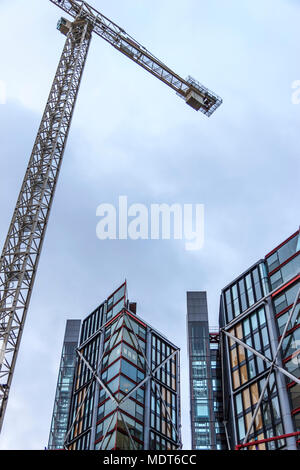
272	367
272	363
95	375
261	356
150	375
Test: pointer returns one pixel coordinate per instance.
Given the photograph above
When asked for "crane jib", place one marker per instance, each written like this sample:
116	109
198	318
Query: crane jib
194	93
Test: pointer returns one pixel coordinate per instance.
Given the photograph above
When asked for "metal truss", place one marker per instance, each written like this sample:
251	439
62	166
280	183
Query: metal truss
150	375
120	40
22	248
272	363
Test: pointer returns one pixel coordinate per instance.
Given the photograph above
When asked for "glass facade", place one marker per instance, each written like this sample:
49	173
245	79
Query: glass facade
284	273
164	398
217	394
268	421
247	291
126	386
123	368
248	373
205	377
284	253
63	393
245	365
255	309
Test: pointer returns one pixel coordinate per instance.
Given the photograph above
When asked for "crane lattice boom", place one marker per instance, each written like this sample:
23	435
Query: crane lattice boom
22	248
195	94
23	244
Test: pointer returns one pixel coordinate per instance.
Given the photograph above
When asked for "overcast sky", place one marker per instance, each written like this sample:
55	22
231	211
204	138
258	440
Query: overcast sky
131	135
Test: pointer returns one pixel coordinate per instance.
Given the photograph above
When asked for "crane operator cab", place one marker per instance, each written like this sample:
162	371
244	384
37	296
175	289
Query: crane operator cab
195	100
64	26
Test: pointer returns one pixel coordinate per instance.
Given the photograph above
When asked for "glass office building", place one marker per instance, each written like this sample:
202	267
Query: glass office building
64	386
254	310
126	391
206	414
283	266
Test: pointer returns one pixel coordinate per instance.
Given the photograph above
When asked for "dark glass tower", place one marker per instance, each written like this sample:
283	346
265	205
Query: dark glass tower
207	428
126	384
63	393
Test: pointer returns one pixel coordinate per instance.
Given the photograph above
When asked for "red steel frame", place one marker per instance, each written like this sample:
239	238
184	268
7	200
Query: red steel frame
292	281
297	253
281	244
269	439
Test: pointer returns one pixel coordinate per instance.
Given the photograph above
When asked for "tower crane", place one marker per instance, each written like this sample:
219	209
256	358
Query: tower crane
23	244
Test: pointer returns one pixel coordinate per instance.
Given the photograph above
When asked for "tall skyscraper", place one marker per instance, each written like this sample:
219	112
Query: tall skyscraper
206	414
126	388
63	395
259	317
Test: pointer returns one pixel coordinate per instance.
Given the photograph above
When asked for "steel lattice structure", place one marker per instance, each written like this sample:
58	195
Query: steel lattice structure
23	244
208	101
22	248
